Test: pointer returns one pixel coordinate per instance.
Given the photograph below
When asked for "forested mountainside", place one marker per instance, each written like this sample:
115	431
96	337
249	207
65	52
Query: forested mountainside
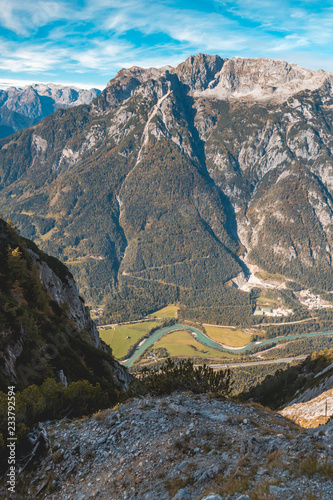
45	328
155	191
23	107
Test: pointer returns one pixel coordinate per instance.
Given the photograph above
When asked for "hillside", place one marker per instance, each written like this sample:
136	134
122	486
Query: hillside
174	181
302	393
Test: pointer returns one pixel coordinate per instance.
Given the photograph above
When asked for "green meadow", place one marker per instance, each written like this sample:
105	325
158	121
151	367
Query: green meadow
182	343
228	336
117	339
170	311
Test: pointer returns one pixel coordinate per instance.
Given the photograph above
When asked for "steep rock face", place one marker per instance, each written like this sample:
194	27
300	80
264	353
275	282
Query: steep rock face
198	72
153	191
65	292
313	412
23	107
44	326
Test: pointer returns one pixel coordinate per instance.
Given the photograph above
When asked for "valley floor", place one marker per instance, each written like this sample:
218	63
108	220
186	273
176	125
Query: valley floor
181	447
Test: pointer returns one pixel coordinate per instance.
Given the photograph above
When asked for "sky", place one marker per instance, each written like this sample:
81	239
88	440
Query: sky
85	43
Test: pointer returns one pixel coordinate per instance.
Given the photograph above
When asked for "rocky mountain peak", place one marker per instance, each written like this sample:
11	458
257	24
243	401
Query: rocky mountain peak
140	74
264	79
199	71
237	78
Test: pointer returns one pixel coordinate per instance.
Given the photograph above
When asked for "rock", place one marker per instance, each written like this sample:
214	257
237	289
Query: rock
262	471
146	460
102	440
62	378
82	495
182	494
277	491
213	496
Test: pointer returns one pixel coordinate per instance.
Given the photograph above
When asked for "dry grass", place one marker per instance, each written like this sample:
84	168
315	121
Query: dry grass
275	460
311	466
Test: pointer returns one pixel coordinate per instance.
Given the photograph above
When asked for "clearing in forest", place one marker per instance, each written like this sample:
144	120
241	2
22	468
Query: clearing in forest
170	311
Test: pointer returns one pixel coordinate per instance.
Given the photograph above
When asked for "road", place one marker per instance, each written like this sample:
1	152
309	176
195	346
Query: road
288	322
256	363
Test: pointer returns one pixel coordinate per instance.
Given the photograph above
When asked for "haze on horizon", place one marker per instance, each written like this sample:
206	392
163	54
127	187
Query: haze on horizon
85	43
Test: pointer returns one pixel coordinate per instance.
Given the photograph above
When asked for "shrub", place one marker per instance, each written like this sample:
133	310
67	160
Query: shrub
181	376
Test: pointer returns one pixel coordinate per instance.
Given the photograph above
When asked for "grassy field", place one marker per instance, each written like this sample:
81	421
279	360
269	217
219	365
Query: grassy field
183	344
117	339
265	301
265	275
167	312
228	336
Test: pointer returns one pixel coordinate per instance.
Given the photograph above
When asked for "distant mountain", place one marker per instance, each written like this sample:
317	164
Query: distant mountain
23	107
157	190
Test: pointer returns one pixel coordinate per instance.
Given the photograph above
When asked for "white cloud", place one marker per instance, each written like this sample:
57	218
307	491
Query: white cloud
24	17
290	42
29	58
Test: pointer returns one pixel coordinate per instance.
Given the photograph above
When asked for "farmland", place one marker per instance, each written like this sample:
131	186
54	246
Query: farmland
182	343
228	336
117	339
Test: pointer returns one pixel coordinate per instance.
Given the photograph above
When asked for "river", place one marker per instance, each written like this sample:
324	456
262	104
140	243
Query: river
203	339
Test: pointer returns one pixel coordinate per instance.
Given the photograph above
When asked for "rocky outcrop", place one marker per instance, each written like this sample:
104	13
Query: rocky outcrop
264	80
64	292
312	412
11	349
45	328
198	72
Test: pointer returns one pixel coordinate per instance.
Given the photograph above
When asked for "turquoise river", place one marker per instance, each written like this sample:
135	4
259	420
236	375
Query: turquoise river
203	339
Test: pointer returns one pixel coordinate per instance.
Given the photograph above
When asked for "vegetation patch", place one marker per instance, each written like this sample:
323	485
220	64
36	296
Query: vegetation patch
182	376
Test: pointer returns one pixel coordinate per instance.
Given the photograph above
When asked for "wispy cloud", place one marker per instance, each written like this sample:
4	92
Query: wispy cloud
26	17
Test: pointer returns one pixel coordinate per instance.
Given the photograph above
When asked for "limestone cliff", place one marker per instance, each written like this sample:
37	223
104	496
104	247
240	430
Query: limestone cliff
45	328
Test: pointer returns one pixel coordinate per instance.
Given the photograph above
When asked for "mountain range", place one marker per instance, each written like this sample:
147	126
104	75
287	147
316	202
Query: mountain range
26	106
172	181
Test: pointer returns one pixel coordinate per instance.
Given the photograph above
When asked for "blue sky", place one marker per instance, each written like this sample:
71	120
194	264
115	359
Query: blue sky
87	42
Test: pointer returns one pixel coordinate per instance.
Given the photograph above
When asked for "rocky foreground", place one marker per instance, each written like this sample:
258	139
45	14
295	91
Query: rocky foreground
182	447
